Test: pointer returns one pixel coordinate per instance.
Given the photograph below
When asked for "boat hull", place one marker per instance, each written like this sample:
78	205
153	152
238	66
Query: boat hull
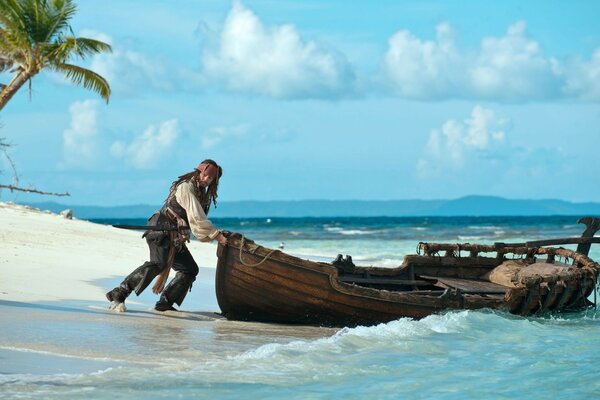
253	285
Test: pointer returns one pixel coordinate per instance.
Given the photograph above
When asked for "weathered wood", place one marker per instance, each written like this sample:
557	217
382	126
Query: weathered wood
383	281
260	284
592	225
469	286
548	242
502	249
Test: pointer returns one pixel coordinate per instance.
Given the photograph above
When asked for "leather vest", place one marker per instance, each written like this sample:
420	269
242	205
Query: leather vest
172	204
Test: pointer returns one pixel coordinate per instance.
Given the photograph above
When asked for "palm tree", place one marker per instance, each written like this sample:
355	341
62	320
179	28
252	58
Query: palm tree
34	35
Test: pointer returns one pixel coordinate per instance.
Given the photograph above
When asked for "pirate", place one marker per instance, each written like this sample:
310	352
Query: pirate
185	210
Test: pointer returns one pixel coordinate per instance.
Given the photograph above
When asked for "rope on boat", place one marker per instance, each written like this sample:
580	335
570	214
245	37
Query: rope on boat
419	248
596	283
257	264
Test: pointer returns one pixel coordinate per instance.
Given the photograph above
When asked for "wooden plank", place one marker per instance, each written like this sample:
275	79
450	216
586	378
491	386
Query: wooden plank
592	225
468	286
552	242
383	281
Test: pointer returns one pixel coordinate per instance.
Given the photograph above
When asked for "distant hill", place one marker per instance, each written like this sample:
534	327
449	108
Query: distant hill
498	206
464	206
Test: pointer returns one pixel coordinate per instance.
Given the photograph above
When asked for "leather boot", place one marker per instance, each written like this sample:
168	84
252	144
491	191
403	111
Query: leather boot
175	292
118	294
138	280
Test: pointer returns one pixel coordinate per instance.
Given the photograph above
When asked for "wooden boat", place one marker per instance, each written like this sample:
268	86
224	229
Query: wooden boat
255	283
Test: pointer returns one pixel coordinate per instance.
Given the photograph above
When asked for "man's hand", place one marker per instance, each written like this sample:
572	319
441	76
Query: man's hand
221	239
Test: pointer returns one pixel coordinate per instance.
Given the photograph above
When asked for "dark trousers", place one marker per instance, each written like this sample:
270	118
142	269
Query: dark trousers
140	278
159	254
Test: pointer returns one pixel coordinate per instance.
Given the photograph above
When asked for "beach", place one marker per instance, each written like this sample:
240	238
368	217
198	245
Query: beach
54	273
46	257
59	341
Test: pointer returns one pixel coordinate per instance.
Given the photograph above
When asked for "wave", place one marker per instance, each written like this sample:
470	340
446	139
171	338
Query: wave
343	231
49	379
363	336
57	354
384	361
357	232
379	262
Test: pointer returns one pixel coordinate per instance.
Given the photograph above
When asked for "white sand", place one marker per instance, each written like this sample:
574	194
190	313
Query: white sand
46	257
53	276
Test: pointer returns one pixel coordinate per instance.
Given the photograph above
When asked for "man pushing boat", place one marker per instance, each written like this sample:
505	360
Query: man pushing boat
185	209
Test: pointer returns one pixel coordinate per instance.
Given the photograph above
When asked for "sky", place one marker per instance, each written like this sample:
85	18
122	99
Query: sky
380	100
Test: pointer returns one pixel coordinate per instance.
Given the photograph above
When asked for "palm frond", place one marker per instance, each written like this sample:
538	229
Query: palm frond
14	49
13	24
38	13
86	78
58	53
86	46
6	63
13	42
63	11
35	34
11	15
30	14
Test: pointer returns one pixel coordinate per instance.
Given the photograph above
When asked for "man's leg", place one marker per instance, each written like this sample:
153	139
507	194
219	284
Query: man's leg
180	285
141	277
138	280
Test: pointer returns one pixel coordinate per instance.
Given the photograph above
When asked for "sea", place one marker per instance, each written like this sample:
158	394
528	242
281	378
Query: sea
481	354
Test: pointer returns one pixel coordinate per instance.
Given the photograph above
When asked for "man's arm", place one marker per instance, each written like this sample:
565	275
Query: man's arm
200	225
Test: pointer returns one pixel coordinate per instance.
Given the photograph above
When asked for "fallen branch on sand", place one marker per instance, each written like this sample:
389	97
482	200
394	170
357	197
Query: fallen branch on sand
13	188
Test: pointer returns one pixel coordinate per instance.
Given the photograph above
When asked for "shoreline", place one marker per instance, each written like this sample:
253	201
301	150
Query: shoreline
54	273
46	257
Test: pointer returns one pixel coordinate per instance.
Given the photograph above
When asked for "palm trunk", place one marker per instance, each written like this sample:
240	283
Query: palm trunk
9	91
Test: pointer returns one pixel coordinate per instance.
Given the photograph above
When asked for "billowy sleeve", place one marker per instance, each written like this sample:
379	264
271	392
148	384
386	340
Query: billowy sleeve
201	227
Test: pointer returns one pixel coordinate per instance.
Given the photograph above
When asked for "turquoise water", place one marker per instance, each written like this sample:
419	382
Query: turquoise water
452	355
384	241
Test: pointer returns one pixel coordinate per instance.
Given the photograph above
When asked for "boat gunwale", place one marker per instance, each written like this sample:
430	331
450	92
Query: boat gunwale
328	285
349	289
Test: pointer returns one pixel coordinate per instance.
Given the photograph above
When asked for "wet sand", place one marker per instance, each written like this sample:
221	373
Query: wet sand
49	339
53	276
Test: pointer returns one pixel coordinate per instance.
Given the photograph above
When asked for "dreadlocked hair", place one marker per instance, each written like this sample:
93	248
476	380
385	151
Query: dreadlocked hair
204	195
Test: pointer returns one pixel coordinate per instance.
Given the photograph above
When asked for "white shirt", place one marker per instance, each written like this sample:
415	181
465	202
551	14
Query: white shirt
201	227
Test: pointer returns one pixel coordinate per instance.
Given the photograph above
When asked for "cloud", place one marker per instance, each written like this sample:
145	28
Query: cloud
508	68
457	143
128	71
147	150
80	140
583	78
513	67
275	61
244	134
423	69
476	152
218	134
246	56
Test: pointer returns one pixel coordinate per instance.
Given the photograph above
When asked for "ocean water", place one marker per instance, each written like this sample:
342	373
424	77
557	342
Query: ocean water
452	355
384	241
